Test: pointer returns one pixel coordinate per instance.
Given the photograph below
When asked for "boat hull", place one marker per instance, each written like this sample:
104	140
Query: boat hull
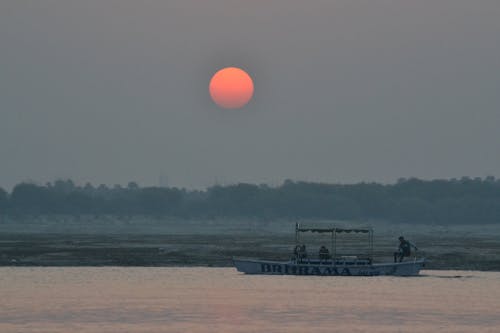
252	266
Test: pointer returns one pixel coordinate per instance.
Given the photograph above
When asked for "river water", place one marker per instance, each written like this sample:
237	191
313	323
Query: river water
101	300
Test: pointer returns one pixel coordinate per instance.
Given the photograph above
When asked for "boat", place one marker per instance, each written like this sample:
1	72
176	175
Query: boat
335	264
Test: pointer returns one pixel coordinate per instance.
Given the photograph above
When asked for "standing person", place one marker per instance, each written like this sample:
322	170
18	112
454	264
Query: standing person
404	249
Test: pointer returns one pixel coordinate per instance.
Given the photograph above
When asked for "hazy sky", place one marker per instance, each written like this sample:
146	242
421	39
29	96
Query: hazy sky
110	91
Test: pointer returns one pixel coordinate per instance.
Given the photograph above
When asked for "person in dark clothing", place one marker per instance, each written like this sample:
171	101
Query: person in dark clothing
404	249
324	254
303	252
296	251
300	252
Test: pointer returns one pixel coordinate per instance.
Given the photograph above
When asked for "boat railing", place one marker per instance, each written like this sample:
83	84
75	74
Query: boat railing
342	260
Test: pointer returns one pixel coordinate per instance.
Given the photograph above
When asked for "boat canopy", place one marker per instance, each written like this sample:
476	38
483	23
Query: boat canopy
349	244
331	230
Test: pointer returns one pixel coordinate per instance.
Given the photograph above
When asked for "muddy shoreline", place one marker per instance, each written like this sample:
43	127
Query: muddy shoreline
453	251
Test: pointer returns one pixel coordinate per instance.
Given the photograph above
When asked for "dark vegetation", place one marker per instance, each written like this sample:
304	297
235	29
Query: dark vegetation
455	201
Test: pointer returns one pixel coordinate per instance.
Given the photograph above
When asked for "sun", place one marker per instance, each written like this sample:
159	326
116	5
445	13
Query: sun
231	88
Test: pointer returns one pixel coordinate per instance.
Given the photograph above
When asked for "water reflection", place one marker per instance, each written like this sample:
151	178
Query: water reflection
220	299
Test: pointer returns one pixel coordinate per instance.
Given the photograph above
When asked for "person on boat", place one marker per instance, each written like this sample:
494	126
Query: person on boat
300	252
324	254
404	249
296	252
303	252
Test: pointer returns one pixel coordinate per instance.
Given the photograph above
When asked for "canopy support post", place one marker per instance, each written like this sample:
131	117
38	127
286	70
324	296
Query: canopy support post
370	242
334	244
297	233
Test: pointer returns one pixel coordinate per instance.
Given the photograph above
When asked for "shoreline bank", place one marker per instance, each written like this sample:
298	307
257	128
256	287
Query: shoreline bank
193	250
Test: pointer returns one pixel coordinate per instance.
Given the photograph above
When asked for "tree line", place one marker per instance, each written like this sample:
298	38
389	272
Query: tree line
454	201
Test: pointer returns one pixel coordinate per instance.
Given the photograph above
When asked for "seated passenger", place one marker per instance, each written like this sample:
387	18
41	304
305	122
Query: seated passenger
324	254
303	252
296	252
299	252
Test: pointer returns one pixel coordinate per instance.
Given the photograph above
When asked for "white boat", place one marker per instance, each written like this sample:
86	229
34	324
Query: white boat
334	265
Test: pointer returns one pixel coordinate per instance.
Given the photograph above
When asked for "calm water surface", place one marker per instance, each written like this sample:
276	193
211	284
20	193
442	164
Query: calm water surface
105	300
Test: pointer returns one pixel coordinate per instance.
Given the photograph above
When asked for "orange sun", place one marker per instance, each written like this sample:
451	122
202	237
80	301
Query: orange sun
231	88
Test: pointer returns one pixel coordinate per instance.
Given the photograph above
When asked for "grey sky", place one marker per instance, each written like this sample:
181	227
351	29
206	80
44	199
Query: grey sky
109	91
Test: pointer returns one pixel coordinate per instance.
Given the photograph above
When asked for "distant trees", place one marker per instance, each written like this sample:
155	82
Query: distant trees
412	200
3	200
